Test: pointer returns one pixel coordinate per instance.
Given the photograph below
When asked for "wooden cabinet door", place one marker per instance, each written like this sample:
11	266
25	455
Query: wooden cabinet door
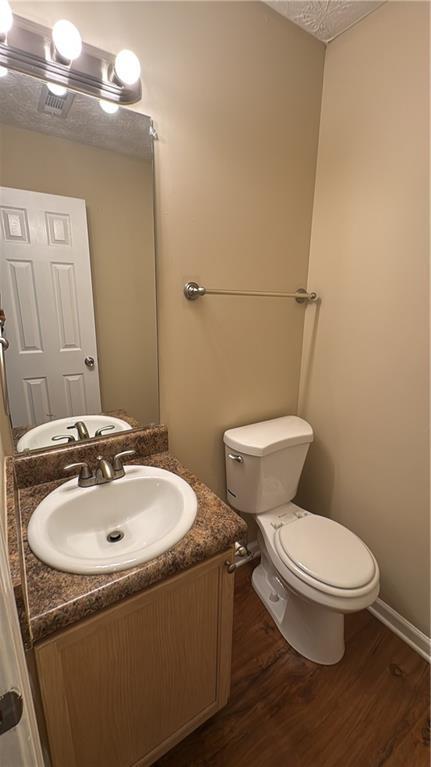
121	688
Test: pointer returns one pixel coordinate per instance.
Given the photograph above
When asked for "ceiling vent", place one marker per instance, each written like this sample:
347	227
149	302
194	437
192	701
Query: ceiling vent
55	105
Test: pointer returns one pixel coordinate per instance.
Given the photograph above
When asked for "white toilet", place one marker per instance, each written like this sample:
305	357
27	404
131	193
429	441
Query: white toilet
312	570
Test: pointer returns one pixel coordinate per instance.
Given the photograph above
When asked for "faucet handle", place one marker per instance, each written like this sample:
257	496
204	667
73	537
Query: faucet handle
100	431
118	463
67	437
84	473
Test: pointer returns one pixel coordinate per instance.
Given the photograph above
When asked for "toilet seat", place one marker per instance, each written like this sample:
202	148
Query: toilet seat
325	554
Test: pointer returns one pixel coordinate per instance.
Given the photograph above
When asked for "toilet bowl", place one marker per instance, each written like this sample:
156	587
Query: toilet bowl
312	570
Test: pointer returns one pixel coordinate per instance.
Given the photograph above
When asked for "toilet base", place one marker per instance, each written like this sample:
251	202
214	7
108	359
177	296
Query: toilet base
314	631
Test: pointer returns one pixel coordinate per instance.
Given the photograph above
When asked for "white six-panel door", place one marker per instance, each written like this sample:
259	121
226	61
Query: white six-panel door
46	293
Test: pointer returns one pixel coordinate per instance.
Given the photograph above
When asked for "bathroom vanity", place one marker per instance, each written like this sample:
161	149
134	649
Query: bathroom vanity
124	686
124	664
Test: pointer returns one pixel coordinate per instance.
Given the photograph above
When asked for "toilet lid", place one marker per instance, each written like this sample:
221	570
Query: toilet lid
326	551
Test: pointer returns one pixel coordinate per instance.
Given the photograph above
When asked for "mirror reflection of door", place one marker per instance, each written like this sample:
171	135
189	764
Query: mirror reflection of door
77	264
47	294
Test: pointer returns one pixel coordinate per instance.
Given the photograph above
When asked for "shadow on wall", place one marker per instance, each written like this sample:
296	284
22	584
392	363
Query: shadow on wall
311	325
317	479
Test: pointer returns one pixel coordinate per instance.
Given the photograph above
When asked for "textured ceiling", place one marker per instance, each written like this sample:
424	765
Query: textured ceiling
325	19
126	132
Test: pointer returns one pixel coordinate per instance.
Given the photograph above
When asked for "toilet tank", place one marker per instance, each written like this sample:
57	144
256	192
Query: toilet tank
264	462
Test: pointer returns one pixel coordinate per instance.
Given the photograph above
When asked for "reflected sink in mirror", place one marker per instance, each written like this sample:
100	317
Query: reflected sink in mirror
63	430
115	526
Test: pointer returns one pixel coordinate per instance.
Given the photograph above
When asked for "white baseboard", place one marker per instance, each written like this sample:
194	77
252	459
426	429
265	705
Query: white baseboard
402	628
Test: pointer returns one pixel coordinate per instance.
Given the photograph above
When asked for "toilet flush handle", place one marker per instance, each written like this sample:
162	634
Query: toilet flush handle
236	458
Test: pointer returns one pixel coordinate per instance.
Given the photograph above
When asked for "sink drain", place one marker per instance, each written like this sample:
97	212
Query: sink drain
114	536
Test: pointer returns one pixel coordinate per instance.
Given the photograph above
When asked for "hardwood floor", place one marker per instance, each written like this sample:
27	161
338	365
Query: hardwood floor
370	710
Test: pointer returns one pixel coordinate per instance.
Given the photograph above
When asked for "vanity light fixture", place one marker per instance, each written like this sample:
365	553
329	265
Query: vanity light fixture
6	19
60	58
57	90
127	68
67	41
109	107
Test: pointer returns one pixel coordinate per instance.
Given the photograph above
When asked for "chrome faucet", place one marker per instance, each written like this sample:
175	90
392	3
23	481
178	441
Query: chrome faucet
81	429
105	471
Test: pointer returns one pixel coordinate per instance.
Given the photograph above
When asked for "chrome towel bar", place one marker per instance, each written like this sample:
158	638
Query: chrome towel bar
192	291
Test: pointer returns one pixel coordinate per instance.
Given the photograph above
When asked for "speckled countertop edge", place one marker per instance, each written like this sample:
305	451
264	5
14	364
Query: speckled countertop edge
55	600
12	523
15	550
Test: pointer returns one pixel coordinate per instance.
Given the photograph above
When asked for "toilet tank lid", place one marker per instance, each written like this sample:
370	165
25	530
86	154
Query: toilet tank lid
269	436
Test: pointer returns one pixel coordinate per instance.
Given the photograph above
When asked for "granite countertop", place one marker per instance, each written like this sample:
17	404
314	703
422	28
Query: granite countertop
56	599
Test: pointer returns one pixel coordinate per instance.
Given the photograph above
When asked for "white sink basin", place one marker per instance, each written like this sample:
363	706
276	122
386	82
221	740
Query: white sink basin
41	436
148	510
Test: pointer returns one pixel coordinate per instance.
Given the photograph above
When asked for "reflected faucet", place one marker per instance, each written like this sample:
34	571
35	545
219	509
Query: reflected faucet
67	437
81	429
102	429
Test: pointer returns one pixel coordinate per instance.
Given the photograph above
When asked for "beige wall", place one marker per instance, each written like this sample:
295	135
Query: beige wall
364	379
235	91
118	191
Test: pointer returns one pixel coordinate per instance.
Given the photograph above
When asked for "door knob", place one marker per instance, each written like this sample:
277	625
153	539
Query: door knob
11	706
90	362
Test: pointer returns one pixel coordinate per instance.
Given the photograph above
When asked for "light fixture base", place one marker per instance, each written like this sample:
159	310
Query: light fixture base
28	49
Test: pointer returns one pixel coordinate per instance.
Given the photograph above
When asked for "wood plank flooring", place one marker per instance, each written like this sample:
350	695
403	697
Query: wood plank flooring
370	710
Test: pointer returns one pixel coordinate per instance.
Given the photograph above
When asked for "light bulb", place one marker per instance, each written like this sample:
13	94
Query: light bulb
6	17
3	71
57	90
67	40
127	67
109	107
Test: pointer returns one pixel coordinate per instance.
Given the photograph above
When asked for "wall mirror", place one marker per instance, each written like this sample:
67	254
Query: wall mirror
77	265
